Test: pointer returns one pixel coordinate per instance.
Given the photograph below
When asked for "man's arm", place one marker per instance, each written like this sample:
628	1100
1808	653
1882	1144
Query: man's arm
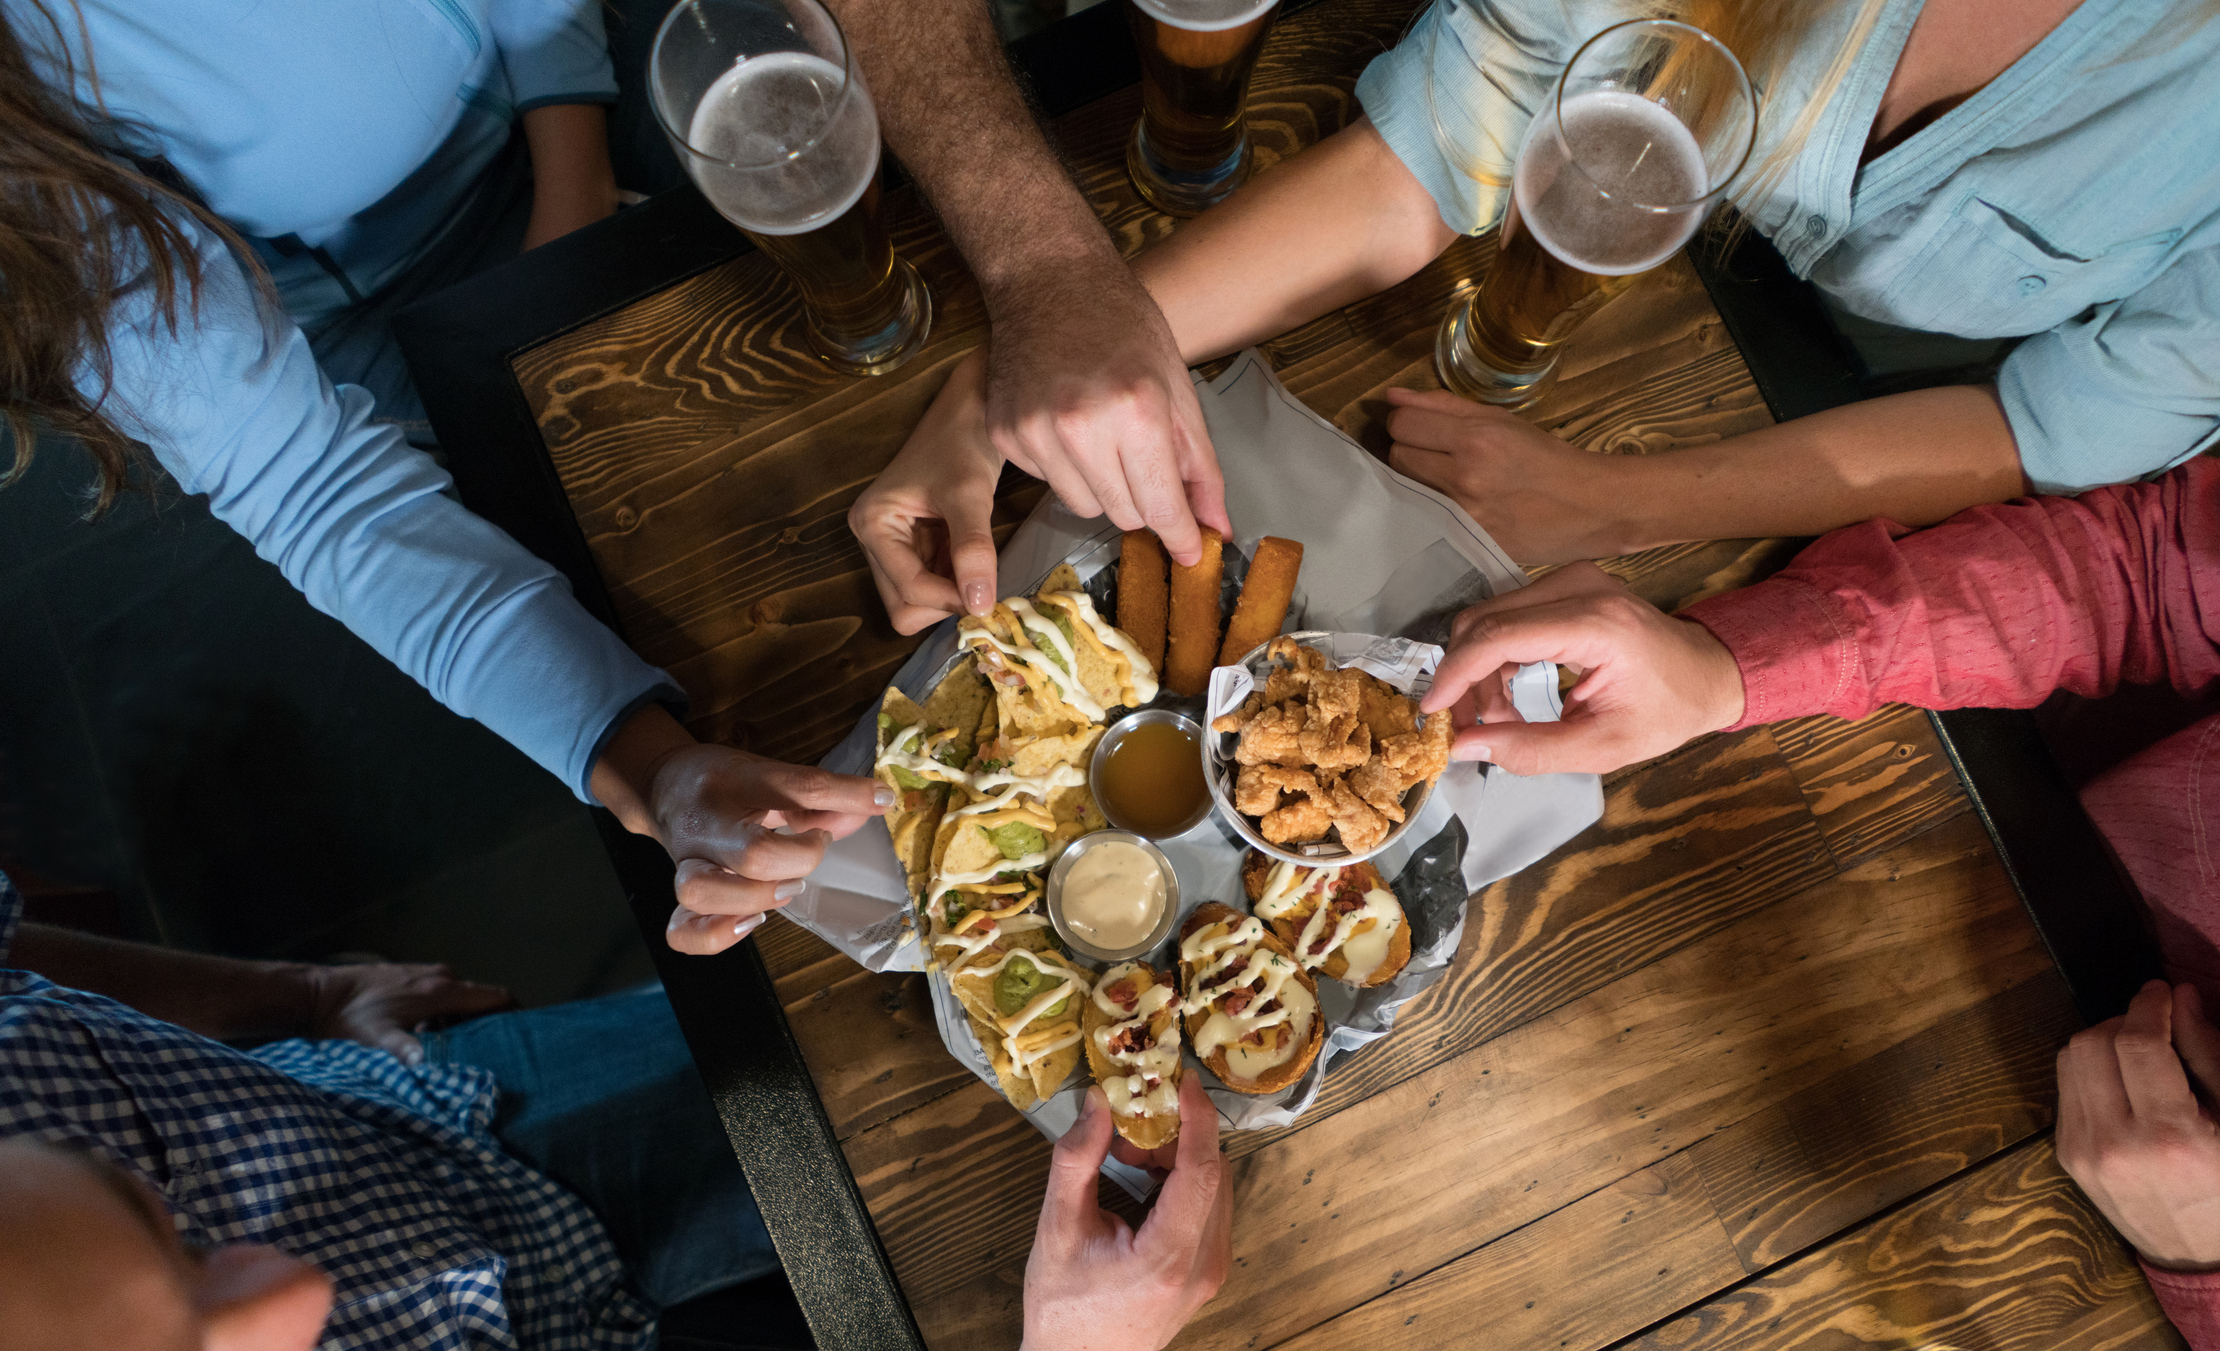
1084	386
242	1001
573	184
1997	607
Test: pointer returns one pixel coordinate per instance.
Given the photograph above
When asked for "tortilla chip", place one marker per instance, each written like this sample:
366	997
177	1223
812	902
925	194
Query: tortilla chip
914	819
1018	1088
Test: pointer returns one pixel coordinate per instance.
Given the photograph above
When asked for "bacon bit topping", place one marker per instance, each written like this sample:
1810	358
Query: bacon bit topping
1237	1001
1124	993
1130	1039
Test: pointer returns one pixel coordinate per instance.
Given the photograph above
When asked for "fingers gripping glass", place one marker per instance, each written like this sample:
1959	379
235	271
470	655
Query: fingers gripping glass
762	101
1648	126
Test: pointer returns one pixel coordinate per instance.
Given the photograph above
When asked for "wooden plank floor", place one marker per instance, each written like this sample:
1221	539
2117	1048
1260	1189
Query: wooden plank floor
1762	1059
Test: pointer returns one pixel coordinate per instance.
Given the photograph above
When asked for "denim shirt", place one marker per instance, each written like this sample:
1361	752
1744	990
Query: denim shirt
2074	201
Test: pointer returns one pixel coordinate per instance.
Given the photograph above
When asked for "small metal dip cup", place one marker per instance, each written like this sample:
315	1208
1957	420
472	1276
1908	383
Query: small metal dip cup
1117	733
1062	869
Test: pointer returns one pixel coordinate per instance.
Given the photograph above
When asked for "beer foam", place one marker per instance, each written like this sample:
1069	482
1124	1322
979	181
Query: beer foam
775	165
1631	148
1204	16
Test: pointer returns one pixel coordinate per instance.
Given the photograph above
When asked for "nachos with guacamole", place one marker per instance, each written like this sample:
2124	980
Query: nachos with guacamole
991	777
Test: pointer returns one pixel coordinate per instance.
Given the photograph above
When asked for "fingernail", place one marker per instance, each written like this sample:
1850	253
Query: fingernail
787	891
1480	753
883	796
747	926
978	597
1090	1103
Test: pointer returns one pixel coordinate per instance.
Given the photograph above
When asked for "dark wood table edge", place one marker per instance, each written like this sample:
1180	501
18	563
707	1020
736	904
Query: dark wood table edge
2075	893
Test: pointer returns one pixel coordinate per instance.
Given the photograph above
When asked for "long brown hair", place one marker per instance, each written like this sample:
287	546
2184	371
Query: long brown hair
79	230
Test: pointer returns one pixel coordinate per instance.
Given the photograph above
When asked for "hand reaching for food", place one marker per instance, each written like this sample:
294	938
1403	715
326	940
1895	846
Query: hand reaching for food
1648	682
1094	1283
1543	499
927	522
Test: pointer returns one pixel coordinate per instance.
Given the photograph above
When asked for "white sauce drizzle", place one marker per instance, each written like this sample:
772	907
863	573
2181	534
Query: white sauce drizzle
947	882
1138	674
972	632
1133	1094
1207	955
1363	946
1024	1051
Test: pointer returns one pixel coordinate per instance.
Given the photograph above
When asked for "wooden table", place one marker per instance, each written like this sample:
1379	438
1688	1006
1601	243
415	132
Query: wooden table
1763	1058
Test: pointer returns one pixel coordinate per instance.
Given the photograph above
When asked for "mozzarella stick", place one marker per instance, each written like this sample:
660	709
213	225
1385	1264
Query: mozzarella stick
1141	594
1194	618
1262	610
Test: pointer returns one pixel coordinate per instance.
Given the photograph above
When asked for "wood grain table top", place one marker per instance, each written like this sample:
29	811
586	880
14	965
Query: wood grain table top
1762	1059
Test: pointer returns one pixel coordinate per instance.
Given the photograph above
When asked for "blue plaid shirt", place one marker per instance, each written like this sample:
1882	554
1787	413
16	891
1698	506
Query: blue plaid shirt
383	1175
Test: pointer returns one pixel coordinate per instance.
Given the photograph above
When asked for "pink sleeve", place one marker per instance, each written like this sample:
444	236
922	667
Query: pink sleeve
1996	607
2192	1301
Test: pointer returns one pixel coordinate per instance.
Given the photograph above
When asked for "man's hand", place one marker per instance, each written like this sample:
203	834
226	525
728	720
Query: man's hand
1093	1283
1541	498
744	830
382	1004
1648	682
2132	1132
927	522
1086	389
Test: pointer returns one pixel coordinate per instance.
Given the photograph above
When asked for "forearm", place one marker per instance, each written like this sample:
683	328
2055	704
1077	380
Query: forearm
1998	607
1915	458
623	778
218	997
1339	222
951	112
572	181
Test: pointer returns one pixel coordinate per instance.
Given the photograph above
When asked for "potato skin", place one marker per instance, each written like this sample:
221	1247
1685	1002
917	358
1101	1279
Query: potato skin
1211	912
1145	1132
1256	870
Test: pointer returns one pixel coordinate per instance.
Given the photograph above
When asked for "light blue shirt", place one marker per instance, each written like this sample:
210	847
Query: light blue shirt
2074	201
360	127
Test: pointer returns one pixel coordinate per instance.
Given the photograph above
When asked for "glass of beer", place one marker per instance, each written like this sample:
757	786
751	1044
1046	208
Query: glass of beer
1191	146
1649	124
765	107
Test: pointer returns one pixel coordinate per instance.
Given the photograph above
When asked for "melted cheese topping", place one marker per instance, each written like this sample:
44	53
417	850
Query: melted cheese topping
1134	671
973	632
1151	1088
1362	936
924	766
1026	1049
943	883
1268	977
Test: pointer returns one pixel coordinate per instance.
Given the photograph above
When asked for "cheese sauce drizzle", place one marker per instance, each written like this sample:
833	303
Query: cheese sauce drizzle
972	632
1135	671
1133	1094
1215	949
1363	946
1025	1050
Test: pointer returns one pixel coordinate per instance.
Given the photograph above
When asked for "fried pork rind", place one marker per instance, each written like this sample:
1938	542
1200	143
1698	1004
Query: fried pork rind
1360	826
1262	789
1302	822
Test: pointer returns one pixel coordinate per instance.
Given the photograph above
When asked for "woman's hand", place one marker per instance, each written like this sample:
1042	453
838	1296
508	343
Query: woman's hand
2133	1133
1648	682
743	830
1095	1284
927	523
1543	500
382	1005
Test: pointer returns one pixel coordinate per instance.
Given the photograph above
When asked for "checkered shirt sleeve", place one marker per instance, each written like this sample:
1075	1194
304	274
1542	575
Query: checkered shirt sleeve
383	1175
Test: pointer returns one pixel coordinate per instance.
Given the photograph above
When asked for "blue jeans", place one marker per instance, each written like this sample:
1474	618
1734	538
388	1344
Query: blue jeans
602	1096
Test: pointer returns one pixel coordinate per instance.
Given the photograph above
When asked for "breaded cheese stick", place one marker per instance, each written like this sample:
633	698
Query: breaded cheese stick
1262	610
1142	594
1194	618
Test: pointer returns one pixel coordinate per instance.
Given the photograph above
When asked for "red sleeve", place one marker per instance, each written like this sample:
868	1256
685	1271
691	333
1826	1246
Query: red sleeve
2192	1303
1996	607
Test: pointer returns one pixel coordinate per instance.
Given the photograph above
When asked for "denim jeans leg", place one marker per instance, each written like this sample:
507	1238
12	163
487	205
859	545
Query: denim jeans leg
602	1096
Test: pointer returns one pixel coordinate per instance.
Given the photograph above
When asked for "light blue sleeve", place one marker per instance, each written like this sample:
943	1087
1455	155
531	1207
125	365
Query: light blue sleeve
554	51
356	518
2127	390
1453	99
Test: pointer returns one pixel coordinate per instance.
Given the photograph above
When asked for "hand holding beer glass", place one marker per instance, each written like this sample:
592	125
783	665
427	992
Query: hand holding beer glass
765	107
1647	127
1191	147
